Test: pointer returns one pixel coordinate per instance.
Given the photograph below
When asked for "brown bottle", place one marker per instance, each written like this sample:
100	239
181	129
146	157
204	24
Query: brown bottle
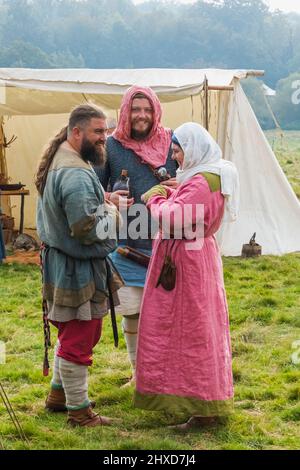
122	183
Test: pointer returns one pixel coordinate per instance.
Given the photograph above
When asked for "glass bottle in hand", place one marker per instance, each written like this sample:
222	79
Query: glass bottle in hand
122	183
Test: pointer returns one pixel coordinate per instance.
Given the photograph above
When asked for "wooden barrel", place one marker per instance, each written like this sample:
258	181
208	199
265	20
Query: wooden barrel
7	222
7	236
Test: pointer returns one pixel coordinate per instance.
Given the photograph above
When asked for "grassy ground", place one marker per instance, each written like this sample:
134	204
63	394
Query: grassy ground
286	146
264	301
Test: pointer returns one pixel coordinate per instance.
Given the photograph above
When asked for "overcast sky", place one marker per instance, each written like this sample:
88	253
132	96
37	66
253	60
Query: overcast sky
285	5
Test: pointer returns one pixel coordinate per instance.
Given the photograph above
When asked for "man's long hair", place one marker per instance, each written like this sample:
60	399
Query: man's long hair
79	117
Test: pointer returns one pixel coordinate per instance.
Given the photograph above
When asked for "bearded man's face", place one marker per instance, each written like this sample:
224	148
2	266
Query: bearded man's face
93	142
141	118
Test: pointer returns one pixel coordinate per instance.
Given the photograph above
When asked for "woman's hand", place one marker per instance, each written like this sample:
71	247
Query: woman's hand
157	190
170	183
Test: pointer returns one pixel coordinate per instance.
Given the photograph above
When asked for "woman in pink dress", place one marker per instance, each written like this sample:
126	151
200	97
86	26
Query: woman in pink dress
184	351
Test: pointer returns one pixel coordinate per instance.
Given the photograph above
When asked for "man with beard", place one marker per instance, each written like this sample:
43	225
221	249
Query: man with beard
77	229
140	145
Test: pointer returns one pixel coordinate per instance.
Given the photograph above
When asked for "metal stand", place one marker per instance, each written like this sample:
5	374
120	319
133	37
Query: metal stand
12	415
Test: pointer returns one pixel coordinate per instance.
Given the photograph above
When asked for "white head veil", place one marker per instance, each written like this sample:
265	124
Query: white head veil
202	154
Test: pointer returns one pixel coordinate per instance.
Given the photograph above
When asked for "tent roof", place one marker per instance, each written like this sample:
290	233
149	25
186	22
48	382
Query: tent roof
108	80
169	84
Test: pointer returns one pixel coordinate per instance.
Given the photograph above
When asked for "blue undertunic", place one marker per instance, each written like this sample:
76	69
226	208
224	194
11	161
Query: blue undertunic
134	274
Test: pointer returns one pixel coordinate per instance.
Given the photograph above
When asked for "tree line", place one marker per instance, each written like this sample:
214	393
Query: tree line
119	34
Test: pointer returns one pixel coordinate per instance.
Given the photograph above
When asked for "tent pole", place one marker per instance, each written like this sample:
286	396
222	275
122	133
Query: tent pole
206	123
4	200
3	165
221	88
255	73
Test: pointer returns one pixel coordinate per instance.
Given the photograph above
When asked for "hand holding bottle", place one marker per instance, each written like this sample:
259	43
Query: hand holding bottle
121	192
120	199
170	183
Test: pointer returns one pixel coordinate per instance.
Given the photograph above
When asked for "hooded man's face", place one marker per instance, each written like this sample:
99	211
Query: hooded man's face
141	118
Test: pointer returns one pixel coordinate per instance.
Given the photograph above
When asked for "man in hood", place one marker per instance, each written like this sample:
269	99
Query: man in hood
140	145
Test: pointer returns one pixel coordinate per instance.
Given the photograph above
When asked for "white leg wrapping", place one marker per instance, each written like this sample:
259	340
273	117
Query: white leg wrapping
56	379
130	329
75	382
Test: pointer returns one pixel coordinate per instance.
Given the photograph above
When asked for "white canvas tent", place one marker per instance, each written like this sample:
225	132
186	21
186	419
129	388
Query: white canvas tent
34	104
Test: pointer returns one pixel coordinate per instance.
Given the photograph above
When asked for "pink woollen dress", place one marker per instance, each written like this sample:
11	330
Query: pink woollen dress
184	351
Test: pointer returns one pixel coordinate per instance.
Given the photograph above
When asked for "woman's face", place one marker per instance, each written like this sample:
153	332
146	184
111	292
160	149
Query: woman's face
177	154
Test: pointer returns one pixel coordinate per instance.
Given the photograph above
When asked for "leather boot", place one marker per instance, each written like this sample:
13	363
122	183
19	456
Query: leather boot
86	417
56	401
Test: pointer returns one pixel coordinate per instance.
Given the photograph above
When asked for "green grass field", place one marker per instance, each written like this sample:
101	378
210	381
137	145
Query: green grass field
286	146
264	301
264	304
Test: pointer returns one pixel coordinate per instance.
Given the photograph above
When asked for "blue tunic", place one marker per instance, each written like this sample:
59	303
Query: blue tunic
73	227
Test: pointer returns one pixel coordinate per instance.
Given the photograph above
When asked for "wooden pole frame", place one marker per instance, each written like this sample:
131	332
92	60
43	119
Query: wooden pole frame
3	165
206	90
5	205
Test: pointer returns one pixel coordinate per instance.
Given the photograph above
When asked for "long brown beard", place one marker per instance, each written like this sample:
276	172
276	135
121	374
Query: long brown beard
90	153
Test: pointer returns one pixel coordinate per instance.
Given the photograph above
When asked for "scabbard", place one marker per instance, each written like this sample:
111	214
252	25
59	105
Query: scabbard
112	307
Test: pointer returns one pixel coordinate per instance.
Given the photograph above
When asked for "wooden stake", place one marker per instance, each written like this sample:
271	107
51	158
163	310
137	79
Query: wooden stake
206	118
